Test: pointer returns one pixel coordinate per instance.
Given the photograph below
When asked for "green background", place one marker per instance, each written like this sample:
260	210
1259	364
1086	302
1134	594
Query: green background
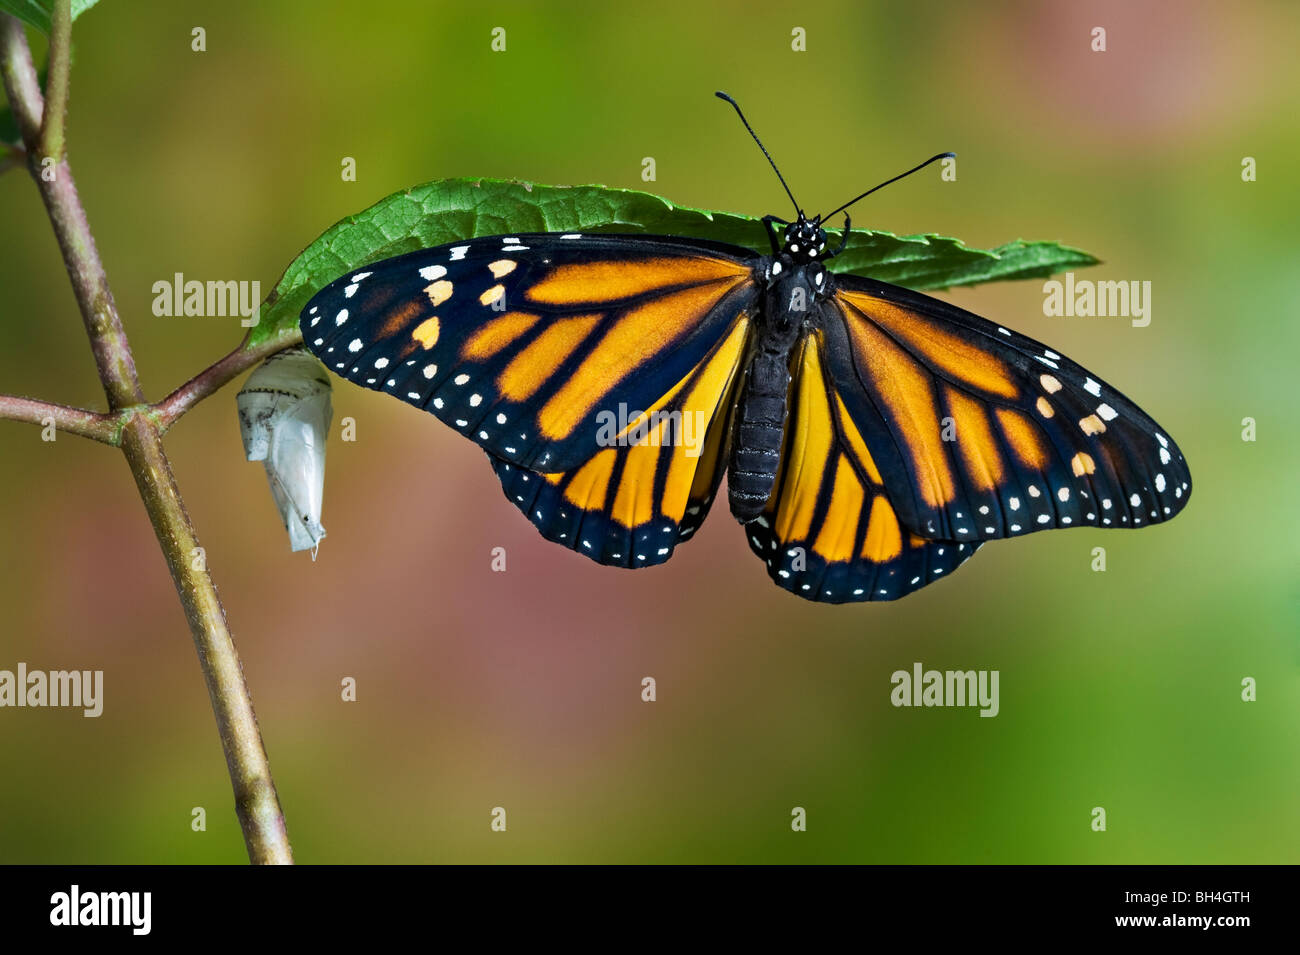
522	689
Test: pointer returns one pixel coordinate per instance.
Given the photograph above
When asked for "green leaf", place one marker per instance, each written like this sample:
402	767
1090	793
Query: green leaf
446	210
38	12
937	262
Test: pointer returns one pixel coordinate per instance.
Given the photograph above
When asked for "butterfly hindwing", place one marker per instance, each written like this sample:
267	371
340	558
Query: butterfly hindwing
526	343
983	433
830	532
631	503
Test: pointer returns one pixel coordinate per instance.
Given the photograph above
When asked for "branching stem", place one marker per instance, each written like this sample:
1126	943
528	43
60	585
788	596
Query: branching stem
138	428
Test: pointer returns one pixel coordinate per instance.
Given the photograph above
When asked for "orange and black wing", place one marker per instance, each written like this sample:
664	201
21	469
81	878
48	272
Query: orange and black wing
652	482
980	433
831	532
528	344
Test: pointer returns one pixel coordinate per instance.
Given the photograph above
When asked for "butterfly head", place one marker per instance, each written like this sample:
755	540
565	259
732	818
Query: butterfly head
804	239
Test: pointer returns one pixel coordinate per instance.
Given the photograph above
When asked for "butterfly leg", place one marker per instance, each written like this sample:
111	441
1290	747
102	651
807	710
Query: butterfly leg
768	222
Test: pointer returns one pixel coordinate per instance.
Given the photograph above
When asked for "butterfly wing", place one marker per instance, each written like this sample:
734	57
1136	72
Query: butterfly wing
830	532
982	433
527	343
630	504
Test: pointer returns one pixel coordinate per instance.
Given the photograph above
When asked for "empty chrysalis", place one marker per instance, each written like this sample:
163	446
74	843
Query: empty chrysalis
284	417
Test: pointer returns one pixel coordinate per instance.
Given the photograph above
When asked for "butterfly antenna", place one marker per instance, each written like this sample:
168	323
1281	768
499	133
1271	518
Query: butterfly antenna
736	106
888	181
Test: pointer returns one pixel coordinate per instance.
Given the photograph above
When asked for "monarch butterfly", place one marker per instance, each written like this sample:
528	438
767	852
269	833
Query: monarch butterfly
873	437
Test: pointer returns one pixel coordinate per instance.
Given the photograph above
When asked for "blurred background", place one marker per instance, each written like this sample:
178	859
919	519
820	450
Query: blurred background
522	689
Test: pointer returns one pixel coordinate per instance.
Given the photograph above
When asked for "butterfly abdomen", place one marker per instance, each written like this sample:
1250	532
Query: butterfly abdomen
760	425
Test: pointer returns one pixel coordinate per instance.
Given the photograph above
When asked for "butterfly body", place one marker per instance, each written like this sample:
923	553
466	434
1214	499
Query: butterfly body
794	283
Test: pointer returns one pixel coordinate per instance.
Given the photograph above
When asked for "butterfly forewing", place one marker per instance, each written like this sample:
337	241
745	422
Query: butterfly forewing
983	433
525	344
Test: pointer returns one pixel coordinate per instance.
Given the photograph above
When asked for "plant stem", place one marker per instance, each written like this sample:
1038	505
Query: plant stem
59	191
256	802
56	83
108	427
90	285
21	83
88	424
218	376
